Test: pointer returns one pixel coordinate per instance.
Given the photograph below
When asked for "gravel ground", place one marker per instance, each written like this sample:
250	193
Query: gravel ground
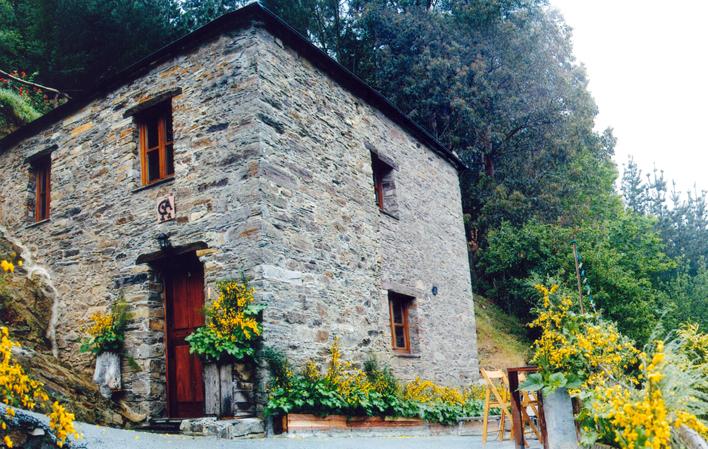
108	438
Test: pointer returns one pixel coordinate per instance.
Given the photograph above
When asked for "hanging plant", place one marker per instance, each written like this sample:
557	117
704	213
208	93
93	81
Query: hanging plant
106	332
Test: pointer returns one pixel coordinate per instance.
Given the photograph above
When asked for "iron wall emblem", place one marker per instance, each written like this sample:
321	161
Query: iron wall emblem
166	208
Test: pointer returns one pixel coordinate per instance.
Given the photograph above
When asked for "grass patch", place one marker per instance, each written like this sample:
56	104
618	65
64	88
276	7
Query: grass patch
501	339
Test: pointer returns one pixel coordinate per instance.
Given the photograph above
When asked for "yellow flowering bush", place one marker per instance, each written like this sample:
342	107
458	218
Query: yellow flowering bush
18	389
106	331
62	422
426	391
575	350
6	266
641	413
232	324
349	381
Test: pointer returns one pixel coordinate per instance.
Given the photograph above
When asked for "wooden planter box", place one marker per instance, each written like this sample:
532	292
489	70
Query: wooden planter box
302	422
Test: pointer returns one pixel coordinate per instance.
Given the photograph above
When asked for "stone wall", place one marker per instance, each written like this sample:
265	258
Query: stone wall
272	173
102	221
335	254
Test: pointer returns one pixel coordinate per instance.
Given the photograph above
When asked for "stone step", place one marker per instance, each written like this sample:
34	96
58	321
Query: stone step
163	425
224	428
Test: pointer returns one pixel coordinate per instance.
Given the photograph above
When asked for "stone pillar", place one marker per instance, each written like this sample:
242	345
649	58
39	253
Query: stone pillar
143	365
560	423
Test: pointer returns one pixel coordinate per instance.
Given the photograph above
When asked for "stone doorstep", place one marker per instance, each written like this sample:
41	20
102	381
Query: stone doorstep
223	428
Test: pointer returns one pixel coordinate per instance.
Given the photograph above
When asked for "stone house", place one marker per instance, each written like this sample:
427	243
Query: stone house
248	150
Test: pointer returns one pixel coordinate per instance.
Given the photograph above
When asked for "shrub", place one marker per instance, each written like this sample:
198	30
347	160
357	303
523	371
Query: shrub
575	349
639	412
629	398
371	391
233	324
107	330
18	389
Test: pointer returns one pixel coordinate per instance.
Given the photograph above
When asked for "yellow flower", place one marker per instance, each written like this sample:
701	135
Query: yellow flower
427	391
62	423
101	322
227	314
16	387
7	266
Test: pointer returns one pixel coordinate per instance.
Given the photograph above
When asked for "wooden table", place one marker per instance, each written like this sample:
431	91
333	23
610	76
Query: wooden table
513	374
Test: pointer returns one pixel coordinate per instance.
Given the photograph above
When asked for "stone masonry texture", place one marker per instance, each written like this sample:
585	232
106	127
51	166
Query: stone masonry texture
273	173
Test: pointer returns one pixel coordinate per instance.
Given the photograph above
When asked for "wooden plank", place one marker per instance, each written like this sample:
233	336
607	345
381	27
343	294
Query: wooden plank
212	387
226	380
301	421
373	422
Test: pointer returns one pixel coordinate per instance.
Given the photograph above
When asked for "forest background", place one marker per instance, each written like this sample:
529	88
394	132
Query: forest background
494	80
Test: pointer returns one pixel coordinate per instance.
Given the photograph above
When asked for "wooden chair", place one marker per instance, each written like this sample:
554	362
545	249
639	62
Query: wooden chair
496	396
529	401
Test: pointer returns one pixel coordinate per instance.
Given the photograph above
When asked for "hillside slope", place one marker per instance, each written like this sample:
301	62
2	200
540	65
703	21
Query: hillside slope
501	339
25	309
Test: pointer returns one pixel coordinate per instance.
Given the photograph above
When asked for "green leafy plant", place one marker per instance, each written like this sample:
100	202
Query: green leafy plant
233	324
371	391
550	382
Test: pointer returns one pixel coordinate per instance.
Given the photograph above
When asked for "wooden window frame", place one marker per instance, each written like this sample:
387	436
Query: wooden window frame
380	170
163	112
405	302
42	169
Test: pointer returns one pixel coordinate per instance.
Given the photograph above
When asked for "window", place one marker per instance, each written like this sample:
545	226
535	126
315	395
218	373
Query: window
399	306
156	144
383	183
42	187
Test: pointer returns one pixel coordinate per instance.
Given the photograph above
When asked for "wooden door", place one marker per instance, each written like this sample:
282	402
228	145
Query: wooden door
184	303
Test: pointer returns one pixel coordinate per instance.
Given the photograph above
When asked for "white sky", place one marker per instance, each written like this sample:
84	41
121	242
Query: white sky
647	62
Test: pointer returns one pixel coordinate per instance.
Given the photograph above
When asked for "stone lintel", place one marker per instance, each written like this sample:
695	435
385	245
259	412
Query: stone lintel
402	289
382	156
157	256
152	101
31	159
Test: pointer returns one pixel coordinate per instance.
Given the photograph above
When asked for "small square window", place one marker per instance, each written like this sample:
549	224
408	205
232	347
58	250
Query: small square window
41	169
382	174
156	144
399	306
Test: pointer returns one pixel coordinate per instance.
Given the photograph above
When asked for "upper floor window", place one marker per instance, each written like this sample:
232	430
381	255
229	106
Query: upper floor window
42	187
156	144
383	183
399	306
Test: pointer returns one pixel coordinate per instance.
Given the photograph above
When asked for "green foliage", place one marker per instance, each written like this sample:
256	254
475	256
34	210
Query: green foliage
624	258
74	44
14	111
549	382
207	344
378	394
233	324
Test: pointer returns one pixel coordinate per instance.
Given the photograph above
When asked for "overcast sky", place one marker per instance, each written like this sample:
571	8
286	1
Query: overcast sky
647	62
